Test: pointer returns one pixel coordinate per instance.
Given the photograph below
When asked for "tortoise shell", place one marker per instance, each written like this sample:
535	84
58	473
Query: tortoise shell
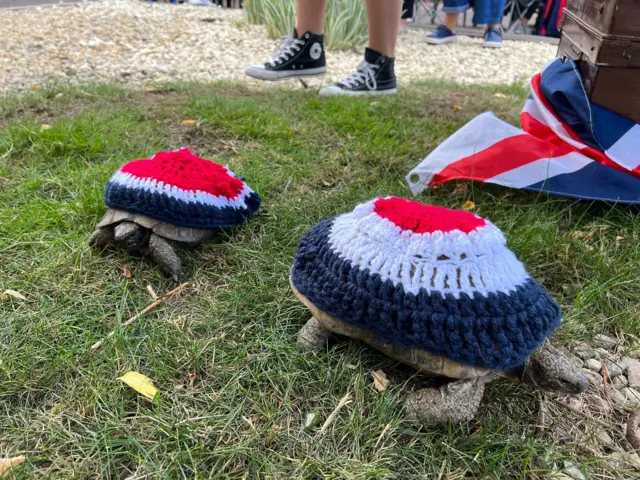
426	362
186	235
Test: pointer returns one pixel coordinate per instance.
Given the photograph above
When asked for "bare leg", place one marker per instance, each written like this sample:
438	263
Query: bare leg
454	402
310	16
161	251
383	25
451	21
313	337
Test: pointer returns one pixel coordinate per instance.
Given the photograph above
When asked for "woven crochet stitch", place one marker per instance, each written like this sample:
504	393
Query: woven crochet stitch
429	278
183	189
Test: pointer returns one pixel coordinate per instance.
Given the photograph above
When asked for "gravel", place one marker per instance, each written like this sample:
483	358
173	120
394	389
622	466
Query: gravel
133	42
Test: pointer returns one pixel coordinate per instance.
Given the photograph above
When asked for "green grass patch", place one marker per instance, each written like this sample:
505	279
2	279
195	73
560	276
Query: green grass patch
234	389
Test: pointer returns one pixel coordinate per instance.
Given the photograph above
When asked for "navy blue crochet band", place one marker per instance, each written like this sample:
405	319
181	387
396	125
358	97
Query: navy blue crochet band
184	214
497	331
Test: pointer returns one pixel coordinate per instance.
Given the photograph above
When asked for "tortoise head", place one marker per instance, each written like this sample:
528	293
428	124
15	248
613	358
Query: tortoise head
130	236
551	370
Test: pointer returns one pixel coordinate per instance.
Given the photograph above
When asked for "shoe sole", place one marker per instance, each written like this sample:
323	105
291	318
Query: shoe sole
441	41
338	92
273	76
492	44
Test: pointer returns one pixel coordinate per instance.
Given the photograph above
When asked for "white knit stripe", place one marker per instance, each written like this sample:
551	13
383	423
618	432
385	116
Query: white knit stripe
476	262
189	196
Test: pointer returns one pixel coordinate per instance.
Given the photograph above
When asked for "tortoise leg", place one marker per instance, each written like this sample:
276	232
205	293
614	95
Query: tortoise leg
313	337
102	238
163	253
130	236
456	402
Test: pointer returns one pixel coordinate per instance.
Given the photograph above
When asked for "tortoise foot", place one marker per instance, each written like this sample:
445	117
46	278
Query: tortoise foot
313	337
161	251
102	238
454	402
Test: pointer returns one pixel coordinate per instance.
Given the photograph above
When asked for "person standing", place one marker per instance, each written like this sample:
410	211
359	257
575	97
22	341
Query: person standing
486	12
302	55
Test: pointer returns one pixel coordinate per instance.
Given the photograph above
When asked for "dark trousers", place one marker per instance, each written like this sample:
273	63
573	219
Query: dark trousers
407	8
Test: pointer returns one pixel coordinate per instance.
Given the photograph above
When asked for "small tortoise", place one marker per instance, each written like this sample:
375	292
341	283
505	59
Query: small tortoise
174	199
436	289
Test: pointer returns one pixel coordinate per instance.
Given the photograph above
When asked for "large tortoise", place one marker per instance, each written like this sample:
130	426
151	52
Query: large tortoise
174	199
419	283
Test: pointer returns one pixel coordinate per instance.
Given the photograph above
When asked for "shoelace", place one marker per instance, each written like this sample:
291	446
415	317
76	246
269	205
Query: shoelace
366	73
288	47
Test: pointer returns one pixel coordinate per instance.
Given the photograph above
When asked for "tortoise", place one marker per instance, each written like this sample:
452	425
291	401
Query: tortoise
457	400
437	289
148	236
173	199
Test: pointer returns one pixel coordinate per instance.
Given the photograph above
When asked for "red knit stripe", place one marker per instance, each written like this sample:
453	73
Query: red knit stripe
184	170
419	218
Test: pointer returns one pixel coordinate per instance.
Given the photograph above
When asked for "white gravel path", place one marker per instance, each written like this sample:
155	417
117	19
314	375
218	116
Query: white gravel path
133	42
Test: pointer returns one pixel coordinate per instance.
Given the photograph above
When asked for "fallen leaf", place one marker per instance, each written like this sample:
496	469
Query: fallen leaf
468	205
311	419
619	239
140	384
590	236
44	126
499	95
190	123
577	234
351	366
149	88
35	86
11	293
5	180
7	464
380	380
126	272
461	188
457	107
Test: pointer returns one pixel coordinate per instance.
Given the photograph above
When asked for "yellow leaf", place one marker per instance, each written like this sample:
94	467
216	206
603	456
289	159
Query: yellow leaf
7	464
457	107
499	95
190	123
35	86
468	205
11	293
149	88
44	126
140	384
380	380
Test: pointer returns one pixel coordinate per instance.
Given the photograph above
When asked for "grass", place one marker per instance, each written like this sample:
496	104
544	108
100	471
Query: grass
234	389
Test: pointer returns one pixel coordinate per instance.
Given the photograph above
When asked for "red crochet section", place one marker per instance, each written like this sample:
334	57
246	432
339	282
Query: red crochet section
188	172
419	218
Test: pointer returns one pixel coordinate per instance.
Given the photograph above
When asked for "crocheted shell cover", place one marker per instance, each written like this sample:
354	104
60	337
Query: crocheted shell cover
183	189
429	278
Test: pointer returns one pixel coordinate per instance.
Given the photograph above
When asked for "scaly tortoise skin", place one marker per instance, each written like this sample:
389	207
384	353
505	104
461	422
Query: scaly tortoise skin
548	368
148	236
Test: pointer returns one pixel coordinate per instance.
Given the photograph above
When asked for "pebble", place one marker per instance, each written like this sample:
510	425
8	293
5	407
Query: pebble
573	471
632	367
614	370
633	397
594	378
593	364
620	382
604	341
634	353
160	42
584	351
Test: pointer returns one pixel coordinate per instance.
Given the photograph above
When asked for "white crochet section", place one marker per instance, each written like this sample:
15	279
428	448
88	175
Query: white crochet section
151	185
452	262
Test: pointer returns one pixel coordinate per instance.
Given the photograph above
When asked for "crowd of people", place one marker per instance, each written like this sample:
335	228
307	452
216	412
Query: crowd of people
303	55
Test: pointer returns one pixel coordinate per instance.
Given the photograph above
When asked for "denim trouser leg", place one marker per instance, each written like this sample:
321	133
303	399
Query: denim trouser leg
455	6
489	11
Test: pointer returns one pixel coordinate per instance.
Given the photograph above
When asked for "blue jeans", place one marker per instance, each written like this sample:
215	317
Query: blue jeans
485	11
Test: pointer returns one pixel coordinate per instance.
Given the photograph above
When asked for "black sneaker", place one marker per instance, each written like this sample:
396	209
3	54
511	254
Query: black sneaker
375	76
296	58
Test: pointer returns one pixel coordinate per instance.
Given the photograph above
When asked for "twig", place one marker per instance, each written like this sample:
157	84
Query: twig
161	300
632	431
152	292
543	414
586	415
343	401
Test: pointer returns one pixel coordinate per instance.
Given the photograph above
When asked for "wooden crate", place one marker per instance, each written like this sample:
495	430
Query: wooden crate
599	48
610	17
614	87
